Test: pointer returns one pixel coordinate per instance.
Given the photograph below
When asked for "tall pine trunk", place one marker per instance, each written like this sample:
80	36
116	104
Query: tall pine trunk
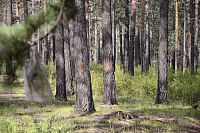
137	49
84	98
196	36
95	40
46	45
68	65
60	65
109	96
120	43
126	38
114	32
147	38
132	37
192	19
176	36
142	36
162	96
153	36
184	41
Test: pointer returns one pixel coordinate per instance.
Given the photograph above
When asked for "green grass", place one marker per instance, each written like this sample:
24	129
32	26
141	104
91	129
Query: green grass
135	96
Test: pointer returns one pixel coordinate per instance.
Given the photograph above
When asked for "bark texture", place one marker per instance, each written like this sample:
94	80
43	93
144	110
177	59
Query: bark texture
162	96
137	49
132	37
114	32
68	66
192	19
196	52
142	36
60	65
184	41
121	46
147	38
109	96
46	44
176	37
84	99
126	38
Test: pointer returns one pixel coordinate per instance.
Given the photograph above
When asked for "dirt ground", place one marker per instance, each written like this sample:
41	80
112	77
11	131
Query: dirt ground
115	120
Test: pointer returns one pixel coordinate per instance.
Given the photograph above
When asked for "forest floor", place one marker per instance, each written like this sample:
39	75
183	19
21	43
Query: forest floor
130	115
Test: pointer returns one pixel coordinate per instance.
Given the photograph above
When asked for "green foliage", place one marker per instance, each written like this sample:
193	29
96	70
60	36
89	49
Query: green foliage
184	88
181	88
8	126
141	85
97	79
51	75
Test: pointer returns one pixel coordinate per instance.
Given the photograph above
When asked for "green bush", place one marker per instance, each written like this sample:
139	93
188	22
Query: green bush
141	85
184	88
181	88
96	79
51	75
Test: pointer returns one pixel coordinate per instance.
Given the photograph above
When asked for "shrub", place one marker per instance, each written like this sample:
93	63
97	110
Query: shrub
51	75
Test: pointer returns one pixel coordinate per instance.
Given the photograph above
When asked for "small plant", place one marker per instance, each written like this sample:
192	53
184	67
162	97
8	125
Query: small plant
8	126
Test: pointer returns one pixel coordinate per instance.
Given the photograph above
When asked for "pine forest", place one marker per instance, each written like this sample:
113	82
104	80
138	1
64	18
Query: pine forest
87	66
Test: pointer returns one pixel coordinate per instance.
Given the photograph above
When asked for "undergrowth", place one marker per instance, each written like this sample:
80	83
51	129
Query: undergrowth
135	94
182	89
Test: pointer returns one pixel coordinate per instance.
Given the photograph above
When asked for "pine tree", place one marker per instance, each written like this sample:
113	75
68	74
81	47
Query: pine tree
109	96
60	65
84	99
162	96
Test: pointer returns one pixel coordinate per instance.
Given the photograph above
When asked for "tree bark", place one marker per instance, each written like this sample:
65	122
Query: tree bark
176	36
137	49
53	46
113	32
121	45
90	34
17	11
84	99
4	14
162	96
72	49
87	16
39	44
153	36
99	49
142	36
60	65
109	96
46	45
25	9
95	40
67	55
192	19
126	38
196	52
184	41
147	38
132	37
